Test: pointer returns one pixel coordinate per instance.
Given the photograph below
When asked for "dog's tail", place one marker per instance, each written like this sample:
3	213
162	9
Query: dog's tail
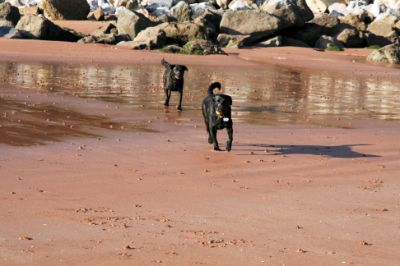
213	86
165	63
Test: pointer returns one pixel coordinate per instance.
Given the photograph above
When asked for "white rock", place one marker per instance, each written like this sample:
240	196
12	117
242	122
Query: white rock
338	7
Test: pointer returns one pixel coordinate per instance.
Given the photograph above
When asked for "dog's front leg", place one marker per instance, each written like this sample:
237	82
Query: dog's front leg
180	101
167	96
229	142
213	133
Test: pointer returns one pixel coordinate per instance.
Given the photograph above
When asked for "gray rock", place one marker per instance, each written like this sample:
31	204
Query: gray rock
135	45
326	21
123	38
213	17
106	39
172	49
88	39
99	14
104	29
181	12
9	12
348	35
210	28
165	3
338	7
233	41
6	23
290	12
201	47
354	21
293	42
14	34
273	42
183	32
327	41
66	10
132	23
154	37
258	24
380	28
36	27
198	9
388	54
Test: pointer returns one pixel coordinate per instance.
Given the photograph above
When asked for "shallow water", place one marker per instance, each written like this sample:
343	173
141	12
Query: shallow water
261	95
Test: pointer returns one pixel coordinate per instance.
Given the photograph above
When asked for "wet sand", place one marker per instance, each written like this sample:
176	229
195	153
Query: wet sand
97	179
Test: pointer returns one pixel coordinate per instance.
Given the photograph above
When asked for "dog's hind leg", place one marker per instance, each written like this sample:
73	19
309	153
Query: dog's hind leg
180	101
167	96
210	141
229	142
213	133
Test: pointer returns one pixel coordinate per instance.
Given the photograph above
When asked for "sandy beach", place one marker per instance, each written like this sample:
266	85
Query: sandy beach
95	171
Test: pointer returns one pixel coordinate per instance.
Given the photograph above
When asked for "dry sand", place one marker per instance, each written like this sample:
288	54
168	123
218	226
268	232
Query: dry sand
287	194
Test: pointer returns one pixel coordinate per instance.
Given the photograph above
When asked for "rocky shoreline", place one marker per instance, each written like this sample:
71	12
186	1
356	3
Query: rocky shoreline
206	27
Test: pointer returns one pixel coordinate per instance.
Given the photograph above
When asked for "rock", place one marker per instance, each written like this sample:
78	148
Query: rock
154	37
171	49
364	16
106	39
245	2
293	42
34	10
326	41
354	5
312	4
165	3
210	28
326	21
338	7
183	32
88	39
224	4
388	18
6	23
355	21
181	12
36	27
290	12
112	18
379	28
104	29
66	10
213	18
388	54
199	9
273	42
348	35
201	47
233	41
122	38
308	34
14	34
132	23
377	9
258	24
324	4
126	3
99	14
9	12
5	30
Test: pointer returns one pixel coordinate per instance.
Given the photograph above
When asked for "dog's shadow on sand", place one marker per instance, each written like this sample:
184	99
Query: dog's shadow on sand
340	151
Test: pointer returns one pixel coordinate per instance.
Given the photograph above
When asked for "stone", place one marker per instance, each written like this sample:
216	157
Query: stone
377	9
99	14
34	10
172	49
364	16
233	41
326	41
326	21
211	31
164	3
7	23
106	39
324	4
290	12
201	47
258	24
88	39
9	12
293	42
338	7
14	34
380	28
273	42
154	37
132	23
5	30
181	12
308	34
66	10
183	32
198	9
224	4
213	17
126	3
348	35
104	29
122	38
354	21
37	27
312	4
388	54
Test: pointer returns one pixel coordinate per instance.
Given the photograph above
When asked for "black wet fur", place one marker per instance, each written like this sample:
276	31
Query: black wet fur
173	81
221	103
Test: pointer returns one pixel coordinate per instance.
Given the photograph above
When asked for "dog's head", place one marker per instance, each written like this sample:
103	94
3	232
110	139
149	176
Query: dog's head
222	104
178	71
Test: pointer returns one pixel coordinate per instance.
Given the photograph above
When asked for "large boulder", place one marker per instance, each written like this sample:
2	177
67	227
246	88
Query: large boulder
131	22
210	28
6	23
213	17
198	9
233	41
104	29
273	42
181	12
380	28
15	34
324	4
106	39
183	32
326	41
99	14
354	21
153	37
9	12
348	35
339	8
34	10
201	47
66	10
36	27
388	54
327	22
290	12
258	24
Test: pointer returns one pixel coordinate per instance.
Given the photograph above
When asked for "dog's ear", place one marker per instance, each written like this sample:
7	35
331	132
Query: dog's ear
185	68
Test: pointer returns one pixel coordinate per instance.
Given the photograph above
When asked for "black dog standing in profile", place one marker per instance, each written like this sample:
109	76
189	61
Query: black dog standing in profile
217	115
173	81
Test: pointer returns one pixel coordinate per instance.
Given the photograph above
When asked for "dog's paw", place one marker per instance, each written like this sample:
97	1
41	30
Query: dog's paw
210	141
228	148
217	149
179	108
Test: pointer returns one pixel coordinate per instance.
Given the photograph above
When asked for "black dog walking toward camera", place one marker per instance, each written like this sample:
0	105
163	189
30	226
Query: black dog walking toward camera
173	81
217	115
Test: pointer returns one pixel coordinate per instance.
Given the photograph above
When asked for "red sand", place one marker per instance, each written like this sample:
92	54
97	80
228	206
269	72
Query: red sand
330	192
